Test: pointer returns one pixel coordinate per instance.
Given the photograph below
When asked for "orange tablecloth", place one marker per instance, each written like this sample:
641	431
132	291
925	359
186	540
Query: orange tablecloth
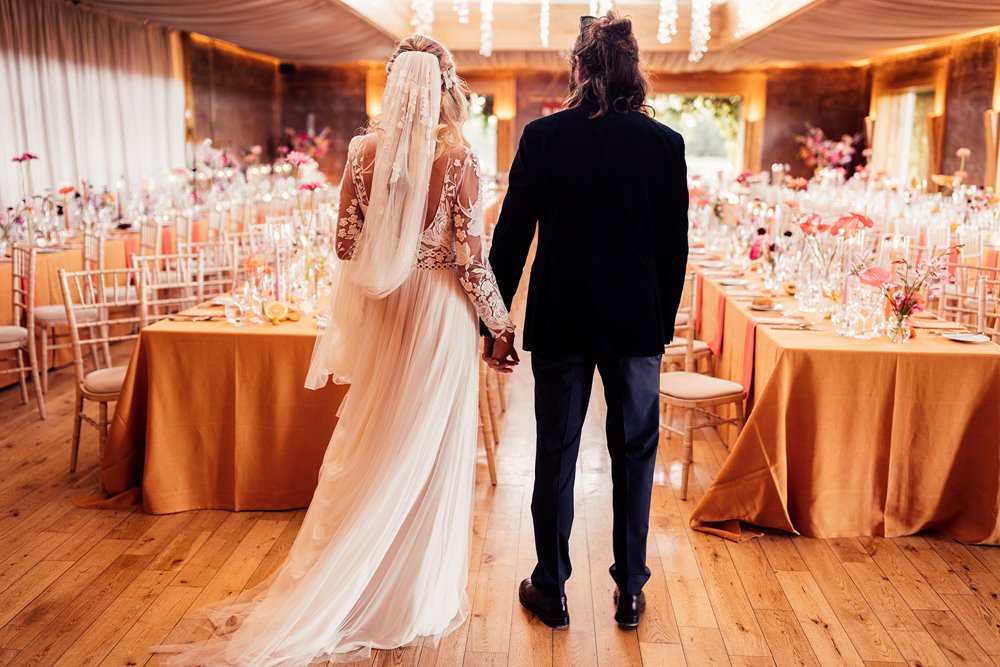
851	438
214	416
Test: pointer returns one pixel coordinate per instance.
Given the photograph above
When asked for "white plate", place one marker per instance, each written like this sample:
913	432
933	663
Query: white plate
966	337
734	282
697	251
712	265
222	301
766	309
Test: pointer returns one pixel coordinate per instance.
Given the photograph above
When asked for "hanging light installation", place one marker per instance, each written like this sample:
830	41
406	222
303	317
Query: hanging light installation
543	22
423	16
486	28
667	28
701	29
461	7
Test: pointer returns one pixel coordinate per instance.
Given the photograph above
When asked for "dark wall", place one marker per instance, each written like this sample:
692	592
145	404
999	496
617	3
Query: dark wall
834	99
336	97
534	88
970	93
240	100
234	97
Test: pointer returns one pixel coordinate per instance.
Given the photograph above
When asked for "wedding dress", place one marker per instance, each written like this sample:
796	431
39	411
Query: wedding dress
381	559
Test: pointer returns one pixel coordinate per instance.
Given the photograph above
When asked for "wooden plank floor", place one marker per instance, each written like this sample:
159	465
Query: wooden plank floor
87	587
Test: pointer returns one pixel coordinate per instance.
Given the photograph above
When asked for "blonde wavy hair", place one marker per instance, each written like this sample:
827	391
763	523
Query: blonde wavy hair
454	93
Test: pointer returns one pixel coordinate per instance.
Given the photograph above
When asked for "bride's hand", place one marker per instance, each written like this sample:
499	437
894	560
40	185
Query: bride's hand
504	355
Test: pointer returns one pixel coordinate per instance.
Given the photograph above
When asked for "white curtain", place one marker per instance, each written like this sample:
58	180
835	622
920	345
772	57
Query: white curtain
95	96
893	133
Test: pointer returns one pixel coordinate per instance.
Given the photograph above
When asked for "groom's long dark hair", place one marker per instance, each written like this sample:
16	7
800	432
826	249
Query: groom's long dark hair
606	73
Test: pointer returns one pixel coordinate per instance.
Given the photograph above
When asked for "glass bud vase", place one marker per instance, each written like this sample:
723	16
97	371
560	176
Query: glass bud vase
897	330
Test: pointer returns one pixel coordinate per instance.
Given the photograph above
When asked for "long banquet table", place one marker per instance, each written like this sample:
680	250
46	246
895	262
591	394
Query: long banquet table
212	416
849	437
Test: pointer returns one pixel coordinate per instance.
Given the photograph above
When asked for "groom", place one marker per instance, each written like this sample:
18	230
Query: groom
607	188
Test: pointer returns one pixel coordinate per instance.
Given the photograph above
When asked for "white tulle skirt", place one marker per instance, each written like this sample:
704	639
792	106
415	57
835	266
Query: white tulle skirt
381	560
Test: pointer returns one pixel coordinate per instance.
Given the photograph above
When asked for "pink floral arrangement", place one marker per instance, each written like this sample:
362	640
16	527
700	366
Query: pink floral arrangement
763	247
819	152
24	157
851	224
312	186
904	285
811	223
11	224
313	144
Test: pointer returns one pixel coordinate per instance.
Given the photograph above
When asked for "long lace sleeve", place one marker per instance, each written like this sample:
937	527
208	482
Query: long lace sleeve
474	270
351	217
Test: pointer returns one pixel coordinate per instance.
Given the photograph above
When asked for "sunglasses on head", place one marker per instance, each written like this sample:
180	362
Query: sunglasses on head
585	22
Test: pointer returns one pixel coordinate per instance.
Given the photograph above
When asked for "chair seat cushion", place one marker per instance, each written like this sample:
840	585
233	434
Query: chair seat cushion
681	320
695	386
56	314
120	293
677	349
105	380
10	334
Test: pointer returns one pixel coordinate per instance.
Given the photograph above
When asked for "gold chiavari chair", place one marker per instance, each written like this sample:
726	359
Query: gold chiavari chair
46	322
19	338
120	318
696	393
151	236
487	428
220	261
675	353
988	304
171	283
958	301
93	251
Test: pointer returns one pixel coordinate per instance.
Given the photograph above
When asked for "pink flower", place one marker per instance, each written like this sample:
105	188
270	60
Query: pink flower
876	276
851	224
867	152
24	157
312	186
963	153
298	159
756	250
810	223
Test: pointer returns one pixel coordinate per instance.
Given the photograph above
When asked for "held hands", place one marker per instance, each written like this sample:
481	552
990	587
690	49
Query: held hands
499	353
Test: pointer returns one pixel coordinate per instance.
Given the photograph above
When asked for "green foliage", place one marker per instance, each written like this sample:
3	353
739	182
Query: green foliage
710	125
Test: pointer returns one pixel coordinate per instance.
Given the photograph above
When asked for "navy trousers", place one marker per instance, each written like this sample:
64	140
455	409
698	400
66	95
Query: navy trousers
562	392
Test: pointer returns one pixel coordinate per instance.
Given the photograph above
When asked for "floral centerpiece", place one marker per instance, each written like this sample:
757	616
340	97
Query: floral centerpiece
307	142
903	287
12	224
820	152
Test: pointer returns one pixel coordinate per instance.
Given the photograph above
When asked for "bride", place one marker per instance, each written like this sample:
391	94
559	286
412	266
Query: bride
381	560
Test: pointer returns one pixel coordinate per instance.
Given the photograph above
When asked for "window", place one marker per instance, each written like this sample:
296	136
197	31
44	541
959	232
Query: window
711	127
481	132
902	143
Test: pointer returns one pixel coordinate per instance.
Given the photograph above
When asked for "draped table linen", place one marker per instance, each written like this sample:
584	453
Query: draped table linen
851	438
212	416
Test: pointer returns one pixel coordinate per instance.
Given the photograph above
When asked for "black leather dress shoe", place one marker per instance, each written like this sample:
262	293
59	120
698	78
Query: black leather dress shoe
551	611
629	608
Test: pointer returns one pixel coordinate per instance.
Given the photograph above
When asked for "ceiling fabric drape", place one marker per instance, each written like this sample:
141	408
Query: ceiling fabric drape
328	31
299	31
94	96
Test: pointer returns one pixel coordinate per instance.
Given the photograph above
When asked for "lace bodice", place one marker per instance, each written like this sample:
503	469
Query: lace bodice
453	239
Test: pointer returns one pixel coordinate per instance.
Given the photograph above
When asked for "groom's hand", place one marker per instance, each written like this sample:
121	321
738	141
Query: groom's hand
504	354
488	344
